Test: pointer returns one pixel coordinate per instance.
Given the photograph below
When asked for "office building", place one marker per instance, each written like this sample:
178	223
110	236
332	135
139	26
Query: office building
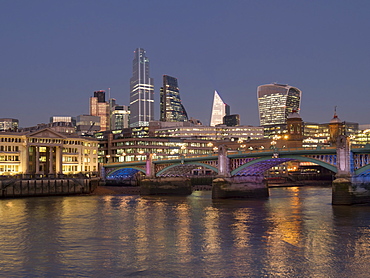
119	117
7	124
141	91
99	107
212	132
231	120
171	108
87	125
276	102
63	119
219	110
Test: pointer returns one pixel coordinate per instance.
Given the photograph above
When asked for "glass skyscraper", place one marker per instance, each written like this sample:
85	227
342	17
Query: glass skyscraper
276	102
141	91
171	108
219	110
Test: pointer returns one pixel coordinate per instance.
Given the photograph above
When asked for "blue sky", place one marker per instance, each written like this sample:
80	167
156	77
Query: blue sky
55	54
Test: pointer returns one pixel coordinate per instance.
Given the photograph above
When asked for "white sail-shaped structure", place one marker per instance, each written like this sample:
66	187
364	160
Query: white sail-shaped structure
219	110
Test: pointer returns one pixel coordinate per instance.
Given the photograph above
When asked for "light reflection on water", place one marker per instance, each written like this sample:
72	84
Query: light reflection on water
295	233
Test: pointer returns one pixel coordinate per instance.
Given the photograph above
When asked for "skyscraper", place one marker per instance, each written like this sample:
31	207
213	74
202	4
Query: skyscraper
219	110
99	107
171	108
276	102
141	91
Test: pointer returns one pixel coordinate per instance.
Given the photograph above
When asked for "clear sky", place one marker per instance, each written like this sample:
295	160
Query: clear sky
55	54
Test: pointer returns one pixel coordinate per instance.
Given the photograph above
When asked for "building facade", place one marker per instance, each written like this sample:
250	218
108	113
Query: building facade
219	110
7	124
87	124
141	91
119	117
47	152
212	132
276	102
231	120
171	108
99	107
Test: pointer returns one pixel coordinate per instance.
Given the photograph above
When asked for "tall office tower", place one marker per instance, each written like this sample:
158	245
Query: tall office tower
99	107
276	102
141	91
170	103
219	110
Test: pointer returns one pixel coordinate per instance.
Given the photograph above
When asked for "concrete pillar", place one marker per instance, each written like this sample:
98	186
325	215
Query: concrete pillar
26	160
150	173
342	185
59	159
37	160
343	157
51	160
249	187
223	162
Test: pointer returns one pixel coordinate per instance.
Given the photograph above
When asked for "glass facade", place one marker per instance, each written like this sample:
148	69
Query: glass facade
171	108
276	102
120	116
219	110
141	91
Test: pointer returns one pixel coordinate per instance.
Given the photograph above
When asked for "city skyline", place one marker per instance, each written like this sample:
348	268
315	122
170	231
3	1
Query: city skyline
52	61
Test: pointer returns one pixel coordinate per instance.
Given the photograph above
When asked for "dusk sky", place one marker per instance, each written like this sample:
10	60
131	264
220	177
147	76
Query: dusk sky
55	54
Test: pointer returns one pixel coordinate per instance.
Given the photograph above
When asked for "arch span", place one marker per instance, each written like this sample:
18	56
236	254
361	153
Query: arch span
185	164
260	165
363	171
124	172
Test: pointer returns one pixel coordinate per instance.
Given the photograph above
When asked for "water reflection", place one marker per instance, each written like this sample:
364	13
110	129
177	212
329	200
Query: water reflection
295	233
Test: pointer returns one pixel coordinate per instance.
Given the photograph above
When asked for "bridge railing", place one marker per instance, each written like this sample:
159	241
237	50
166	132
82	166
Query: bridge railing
229	152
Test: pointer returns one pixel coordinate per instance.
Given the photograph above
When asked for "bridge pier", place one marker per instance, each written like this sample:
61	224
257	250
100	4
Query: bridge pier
175	186
250	187
347	188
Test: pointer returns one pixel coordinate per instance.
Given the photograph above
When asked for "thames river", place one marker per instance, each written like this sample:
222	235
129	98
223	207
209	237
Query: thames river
294	233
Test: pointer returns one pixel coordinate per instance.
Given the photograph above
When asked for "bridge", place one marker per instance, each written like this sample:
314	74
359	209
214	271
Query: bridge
246	168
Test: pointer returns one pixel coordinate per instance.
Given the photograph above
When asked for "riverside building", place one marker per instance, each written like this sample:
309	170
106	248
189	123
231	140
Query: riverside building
47	152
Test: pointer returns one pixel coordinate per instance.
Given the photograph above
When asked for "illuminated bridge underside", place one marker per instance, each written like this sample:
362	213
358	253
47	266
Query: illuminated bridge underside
122	174
260	167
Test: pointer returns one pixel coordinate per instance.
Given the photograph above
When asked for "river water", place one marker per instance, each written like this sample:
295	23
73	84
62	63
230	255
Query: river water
294	233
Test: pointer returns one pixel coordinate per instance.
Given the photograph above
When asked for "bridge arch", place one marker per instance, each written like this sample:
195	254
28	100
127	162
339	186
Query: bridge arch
195	164
260	165
125	171
365	170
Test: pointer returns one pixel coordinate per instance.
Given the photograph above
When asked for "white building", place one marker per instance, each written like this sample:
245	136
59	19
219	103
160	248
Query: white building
219	110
